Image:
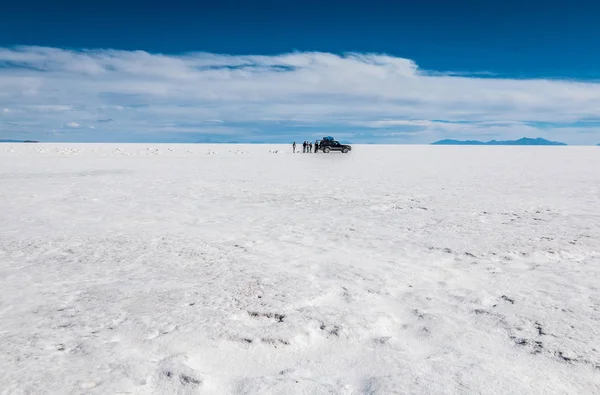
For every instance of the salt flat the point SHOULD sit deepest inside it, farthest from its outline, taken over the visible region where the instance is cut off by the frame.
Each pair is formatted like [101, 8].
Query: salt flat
[235, 269]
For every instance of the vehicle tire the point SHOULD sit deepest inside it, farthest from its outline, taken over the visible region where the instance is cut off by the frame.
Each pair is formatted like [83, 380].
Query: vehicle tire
[326, 150]
[345, 150]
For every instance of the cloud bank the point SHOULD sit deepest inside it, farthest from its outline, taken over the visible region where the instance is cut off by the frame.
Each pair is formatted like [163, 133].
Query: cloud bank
[113, 95]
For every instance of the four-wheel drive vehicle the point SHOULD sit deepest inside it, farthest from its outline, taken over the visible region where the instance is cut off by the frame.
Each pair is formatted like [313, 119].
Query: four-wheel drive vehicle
[332, 145]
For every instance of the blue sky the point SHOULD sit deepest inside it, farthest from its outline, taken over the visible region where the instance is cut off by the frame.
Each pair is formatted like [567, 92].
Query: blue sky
[276, 71]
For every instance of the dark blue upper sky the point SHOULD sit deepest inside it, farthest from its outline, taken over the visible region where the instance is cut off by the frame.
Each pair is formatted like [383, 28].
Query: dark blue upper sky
[512, 38]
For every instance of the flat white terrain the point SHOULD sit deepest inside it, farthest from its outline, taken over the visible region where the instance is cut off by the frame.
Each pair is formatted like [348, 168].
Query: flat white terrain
[234, 269]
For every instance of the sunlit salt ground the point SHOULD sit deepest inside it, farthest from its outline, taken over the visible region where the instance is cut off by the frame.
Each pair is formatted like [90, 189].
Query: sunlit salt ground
[227, 269]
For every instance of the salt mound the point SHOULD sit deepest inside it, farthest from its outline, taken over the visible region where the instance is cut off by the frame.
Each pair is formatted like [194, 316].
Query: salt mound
[68, 151]
[152, 151]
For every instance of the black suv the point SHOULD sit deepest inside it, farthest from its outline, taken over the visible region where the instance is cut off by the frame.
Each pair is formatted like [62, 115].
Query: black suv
[332, 145]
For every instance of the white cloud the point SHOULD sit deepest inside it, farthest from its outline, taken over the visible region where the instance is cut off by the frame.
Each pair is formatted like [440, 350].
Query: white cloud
[186, 93]
[386, 123]
[5, 110]
[73, 125]
[48, 108]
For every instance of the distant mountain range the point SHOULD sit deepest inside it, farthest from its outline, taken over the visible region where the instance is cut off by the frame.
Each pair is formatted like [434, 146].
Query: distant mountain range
[523, 141]
[17, 141]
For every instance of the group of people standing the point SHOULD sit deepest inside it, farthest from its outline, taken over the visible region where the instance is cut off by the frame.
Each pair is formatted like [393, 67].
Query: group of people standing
[307, 146]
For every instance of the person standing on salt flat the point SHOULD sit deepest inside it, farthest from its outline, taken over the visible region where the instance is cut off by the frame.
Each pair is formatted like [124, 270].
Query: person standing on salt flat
[294, 147]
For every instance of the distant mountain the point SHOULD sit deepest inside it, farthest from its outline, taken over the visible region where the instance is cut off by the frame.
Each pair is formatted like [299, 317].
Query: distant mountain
[17, 141]
[523, 141]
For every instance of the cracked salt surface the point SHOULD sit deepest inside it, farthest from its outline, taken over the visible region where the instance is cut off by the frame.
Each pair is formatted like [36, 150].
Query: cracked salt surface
[155, 269]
